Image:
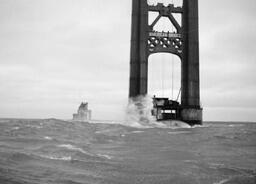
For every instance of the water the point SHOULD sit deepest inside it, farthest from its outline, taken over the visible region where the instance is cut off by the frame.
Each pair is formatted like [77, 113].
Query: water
[60, 152]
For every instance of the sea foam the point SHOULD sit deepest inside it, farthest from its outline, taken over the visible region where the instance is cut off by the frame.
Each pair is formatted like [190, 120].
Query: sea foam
[64, 158]
[74, 148]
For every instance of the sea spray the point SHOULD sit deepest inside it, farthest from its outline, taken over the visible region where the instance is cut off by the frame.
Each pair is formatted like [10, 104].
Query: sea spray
[139, 110]
[138, 114]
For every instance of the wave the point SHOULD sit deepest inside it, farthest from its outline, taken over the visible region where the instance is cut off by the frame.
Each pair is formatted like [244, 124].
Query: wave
[64, 158]
[48, 138]
[15, 128]
[201, 126]
[74, 148]
[170, 124]
[34, 126]
[222, 125]
[25, 157]
[137, 132]
[180, 132]
[4, 121]
[236, 125]
[105, 156]
[131, 124]
[67, 152]
[222, 181]
[175, 124]
[20, 157]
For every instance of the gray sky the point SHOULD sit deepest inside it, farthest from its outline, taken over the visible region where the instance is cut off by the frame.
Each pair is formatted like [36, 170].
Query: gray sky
[56, 53]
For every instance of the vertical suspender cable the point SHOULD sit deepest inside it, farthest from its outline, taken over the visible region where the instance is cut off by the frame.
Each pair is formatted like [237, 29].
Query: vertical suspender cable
[162, 62]
[172, 76]
[172, 64]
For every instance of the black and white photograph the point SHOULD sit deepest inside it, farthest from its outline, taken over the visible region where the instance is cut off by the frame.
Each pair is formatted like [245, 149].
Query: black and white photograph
[127, 92]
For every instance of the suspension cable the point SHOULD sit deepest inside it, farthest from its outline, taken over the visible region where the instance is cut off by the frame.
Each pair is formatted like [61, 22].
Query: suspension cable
[172, 64]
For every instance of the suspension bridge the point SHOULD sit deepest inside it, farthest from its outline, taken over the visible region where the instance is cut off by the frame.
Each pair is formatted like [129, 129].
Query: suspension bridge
[183, 41]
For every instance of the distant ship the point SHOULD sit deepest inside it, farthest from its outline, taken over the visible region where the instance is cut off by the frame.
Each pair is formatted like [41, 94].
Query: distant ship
[83, 113]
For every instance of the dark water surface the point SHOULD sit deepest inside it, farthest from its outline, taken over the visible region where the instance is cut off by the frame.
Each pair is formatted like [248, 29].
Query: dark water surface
[61, 152]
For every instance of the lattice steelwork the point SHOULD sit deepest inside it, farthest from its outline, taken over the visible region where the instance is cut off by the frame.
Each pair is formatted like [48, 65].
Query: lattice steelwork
[170, 42]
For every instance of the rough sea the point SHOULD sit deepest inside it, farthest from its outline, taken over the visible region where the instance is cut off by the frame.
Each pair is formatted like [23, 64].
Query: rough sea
[55, 151]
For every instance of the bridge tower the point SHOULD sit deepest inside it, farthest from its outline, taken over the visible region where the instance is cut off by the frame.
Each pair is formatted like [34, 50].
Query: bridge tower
[184, 43]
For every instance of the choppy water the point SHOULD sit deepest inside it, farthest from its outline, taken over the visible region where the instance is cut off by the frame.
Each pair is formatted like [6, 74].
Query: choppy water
[61, 152]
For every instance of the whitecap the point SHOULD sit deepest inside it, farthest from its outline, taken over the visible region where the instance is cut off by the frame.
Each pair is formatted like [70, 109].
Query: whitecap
[180, 132]
[235, 125]
[137, 132]
[176, 124]
[104, 156]
[222, 181]
[48, 138]
[190, 161]
[216, 165]
[201, 126]
[226, 125]
[34, 126]
[74, 148]
[64, 158]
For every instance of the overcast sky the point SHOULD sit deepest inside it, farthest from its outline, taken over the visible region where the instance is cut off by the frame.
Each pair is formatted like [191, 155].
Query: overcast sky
[56, 53]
